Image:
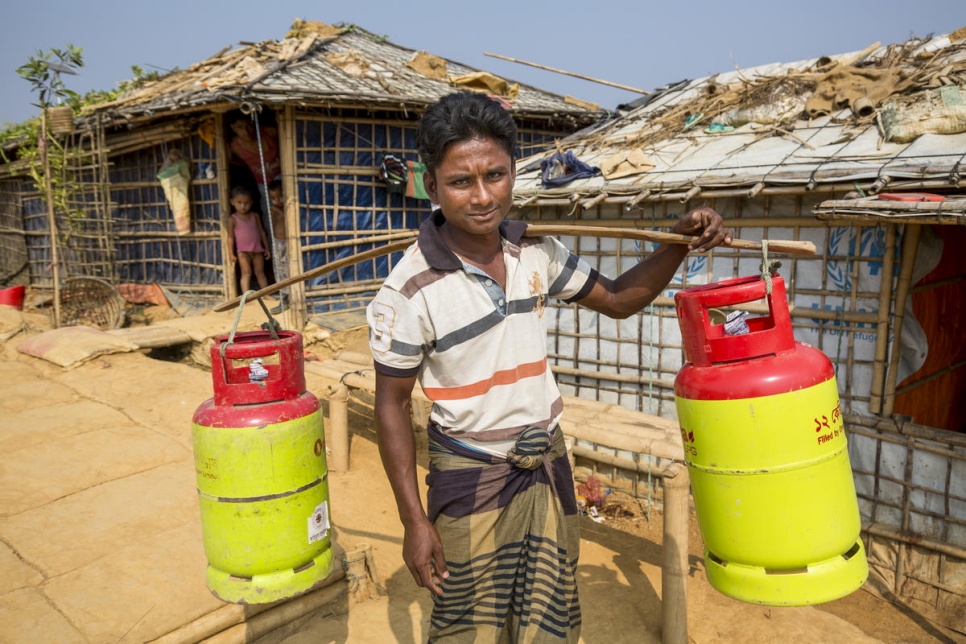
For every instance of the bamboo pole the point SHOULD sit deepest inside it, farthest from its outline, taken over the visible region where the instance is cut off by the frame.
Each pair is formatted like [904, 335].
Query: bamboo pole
[230, 615]
[674, 568]
[610, 377]
[575, 75]
[289, 166]
[579, 451]
[910, 247]
[266, 622]
[777, 246]
[662, 448]
[230, 287]
[882, 325]
[52, 220]
[339, 427]
[321, 270]
[774, 245]
[933, 376]
[667, 222]
[372, 239]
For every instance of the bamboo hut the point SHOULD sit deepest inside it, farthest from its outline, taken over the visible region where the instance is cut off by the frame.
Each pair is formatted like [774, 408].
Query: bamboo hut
[341, 99]
[804, 151]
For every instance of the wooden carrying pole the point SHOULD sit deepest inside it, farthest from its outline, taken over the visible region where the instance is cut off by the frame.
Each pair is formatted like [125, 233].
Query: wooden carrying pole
[774, 245]
[560, 71]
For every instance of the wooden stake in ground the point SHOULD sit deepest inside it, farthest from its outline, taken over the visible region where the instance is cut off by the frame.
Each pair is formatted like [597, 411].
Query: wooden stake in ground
[774, 246]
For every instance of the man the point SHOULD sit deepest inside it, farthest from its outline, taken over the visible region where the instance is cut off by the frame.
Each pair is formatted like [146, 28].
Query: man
[463, 312]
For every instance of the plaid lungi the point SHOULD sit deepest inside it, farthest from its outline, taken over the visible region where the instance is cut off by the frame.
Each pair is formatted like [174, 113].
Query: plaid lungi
[511, 539]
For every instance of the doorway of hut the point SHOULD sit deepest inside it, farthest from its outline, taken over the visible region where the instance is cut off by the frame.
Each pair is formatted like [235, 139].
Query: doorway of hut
[253, 164]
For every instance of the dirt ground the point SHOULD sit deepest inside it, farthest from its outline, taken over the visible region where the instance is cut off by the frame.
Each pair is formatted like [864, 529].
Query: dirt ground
[619, 571]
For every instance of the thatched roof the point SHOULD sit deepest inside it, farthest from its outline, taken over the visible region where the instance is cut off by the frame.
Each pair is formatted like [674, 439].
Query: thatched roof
[749, 131]
[331, 66]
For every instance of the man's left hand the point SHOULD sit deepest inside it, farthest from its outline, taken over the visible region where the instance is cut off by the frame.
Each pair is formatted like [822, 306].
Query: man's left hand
[707, 225]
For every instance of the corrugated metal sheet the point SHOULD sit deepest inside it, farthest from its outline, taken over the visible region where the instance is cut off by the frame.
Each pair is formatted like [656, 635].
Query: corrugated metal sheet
[832, 149]
[261, 72]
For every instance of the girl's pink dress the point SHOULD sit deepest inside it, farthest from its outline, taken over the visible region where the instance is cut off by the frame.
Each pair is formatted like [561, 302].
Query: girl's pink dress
[247, 239]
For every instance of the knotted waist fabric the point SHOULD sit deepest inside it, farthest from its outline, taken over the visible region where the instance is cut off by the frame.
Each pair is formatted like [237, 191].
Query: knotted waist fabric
[510, 536]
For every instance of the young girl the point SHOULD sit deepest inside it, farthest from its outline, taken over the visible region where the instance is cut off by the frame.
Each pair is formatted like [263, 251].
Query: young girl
[246, 239]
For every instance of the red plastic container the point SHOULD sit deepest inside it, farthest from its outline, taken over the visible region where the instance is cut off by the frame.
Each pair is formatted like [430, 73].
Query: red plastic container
[13, 296]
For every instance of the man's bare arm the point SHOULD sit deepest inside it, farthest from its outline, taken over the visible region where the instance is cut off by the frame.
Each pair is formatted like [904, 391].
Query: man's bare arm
[422, 549]
[638, 286]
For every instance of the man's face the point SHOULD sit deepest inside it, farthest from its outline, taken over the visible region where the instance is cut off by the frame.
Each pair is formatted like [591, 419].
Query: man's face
[275, 196]
[242, 204]
[473, 185]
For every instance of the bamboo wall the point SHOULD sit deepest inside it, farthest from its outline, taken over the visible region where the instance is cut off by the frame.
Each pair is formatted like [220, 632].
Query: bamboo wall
[834, 297]
[82, 219]
[13, 243]
[85, 240]
[37, 234]
[149, 248]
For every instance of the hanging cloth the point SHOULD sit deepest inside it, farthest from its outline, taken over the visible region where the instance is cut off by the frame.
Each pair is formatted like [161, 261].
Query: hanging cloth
[174, 177]
[395, 173]
[415, 187]
[561, 169]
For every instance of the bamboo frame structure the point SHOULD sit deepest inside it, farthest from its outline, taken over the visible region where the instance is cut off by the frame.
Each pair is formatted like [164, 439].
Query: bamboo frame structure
[289, 165]
[224, 210]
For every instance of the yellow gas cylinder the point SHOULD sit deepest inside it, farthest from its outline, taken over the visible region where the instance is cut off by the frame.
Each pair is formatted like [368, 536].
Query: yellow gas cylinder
[766, 450]
[261, 472]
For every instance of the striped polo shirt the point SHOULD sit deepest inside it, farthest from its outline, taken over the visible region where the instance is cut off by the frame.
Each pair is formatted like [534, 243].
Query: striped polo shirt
[480, 354]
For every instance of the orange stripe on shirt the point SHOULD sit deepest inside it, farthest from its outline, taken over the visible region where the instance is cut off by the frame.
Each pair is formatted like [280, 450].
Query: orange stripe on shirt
[507, 377]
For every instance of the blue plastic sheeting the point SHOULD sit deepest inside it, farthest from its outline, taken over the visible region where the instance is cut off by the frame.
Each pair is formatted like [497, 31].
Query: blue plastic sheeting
[143, 211]
[337, 207]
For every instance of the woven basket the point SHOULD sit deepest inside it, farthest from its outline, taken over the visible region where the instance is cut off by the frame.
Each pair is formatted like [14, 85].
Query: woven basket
[90, 301]
[60, 119]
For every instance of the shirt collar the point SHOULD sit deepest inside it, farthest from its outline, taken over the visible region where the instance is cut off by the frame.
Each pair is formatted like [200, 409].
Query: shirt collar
[438, 254]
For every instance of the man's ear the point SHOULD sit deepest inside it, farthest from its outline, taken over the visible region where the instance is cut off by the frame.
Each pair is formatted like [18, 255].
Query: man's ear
[429, 183]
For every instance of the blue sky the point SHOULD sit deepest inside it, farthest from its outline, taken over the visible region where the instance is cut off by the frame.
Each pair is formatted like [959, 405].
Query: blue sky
[640, 44]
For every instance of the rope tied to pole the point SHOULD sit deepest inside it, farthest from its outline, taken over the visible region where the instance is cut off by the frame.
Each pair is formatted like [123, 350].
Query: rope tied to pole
[767, 267]
[271, 325]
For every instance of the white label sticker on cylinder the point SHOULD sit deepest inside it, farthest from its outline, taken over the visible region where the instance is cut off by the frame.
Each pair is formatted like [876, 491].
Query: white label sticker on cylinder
[319, 522]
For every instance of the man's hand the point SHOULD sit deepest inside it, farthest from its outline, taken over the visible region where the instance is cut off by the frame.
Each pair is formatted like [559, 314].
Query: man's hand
[423, 554]
[707, 225]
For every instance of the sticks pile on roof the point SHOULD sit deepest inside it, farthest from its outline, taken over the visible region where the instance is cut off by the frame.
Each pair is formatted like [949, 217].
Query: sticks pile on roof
[777, 101]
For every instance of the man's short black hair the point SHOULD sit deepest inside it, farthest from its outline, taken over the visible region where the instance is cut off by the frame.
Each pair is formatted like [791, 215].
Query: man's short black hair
[460, 117]
[242, 191]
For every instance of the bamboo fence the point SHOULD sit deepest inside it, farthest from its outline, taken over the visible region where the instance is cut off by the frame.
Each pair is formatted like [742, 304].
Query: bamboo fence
[13, 244]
